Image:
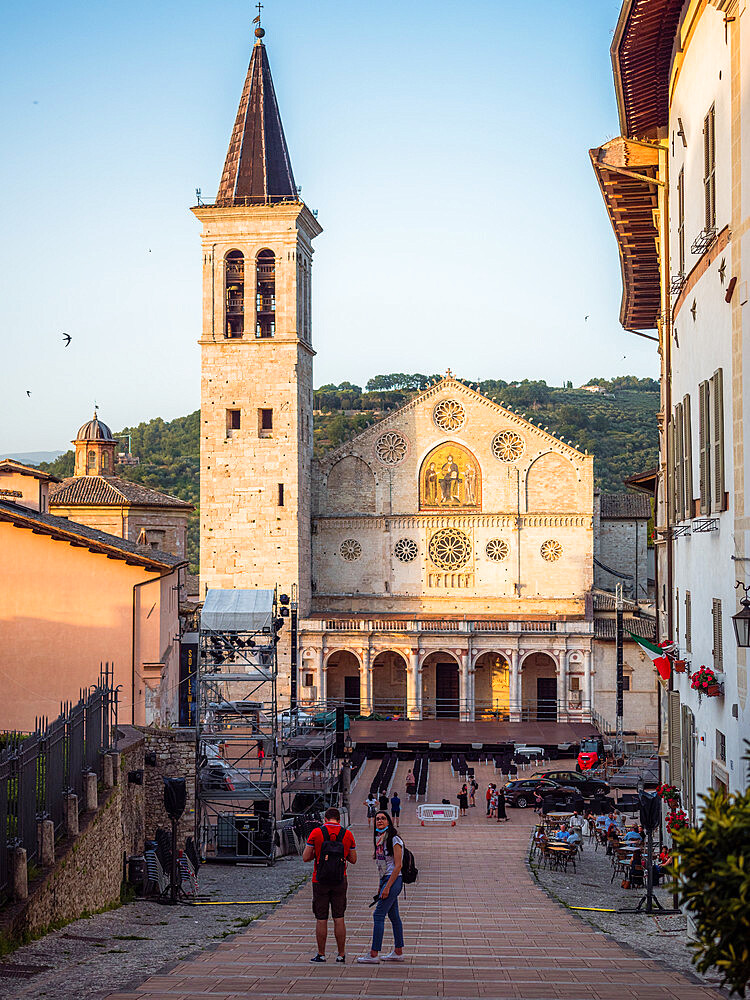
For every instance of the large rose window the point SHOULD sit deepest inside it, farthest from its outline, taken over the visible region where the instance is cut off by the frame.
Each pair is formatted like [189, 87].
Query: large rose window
[450, 549]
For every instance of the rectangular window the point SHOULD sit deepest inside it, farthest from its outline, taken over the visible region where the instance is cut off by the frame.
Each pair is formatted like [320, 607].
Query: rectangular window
[308, 683]
[677, 611]
[721, 746]
[717, 629]
[688, 623]
[704, 446]
[679, 471]
[681, 221]
[626, 682]
[575, 683]
[709, 167]
[233, 421]
[265, 422]
[717, 439]
[687, 444]
[281, 495]
[671, 478]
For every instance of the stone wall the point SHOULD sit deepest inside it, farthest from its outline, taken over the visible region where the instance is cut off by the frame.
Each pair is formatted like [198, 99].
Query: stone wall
[88, 869]
[175, 758]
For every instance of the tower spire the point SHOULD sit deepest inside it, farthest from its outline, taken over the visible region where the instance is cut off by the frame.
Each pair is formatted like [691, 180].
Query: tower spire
[257, 169]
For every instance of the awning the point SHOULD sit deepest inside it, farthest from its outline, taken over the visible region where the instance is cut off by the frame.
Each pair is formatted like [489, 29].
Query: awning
[641, 53]
[627, 172]
[237, 610]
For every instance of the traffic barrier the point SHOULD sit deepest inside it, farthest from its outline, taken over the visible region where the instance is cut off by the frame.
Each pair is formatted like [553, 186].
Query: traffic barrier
[437, 813]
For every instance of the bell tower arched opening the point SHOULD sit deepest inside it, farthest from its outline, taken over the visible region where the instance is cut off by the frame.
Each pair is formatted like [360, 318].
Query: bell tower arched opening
[265, 294]
[234, 288]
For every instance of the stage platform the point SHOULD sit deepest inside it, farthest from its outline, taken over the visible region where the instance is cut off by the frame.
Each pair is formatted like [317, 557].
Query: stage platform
[461, 737]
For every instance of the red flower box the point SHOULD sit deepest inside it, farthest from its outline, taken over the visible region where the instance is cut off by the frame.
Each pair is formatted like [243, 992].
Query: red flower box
[713, 690]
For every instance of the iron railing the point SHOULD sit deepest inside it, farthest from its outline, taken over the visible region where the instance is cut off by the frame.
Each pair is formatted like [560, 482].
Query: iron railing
[528, 710]
[37, 769]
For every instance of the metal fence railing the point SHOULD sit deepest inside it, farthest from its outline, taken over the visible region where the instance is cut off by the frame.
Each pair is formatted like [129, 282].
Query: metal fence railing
[478, 710]
[37, 769]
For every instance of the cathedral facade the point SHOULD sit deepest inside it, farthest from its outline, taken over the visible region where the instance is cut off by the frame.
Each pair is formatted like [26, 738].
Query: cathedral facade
[442, 558]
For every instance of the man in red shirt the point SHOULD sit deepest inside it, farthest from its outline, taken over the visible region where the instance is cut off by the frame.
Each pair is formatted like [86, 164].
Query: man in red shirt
[330, 889]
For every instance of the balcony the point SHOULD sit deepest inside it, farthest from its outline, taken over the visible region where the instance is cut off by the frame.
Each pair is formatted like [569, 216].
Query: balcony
[445, 625]
[265, 303]
[235, 306]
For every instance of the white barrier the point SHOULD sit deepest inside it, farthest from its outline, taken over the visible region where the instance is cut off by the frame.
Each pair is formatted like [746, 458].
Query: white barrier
[437, 813]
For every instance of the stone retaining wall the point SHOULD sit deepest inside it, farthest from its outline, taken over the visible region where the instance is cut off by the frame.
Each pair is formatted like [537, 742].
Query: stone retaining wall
[175, 758]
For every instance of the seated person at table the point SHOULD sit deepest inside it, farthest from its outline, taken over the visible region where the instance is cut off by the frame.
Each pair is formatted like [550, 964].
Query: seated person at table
[633, 837]
[635, 871]
[562, 833]
[660, 868]
[574, 837]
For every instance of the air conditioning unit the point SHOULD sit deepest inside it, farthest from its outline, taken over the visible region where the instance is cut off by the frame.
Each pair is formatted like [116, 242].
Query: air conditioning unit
[309, 693]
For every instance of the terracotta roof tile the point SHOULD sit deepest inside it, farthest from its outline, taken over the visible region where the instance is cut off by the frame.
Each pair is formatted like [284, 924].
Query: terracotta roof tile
[606, 628]
[110, 491]
[625, 506]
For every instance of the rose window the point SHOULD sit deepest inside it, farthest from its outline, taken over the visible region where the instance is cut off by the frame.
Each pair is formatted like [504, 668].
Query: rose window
[551, 550]
[350, 549]
[507, 446]
[406, 549]
[450, 548]
[497, 549]
[391, 448]
[449, 415]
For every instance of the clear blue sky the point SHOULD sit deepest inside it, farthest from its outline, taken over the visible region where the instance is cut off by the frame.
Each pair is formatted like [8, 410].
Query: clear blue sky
[444, 145]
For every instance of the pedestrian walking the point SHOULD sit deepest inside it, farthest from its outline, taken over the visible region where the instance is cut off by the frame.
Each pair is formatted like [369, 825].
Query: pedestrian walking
[493, 803]
[395, 808]
[372, 805]
[383, 801]
[488, 796]
[463, 800]
[411, 785]
[501, 816]
[473, 788]
[330, 846]
[388, 854]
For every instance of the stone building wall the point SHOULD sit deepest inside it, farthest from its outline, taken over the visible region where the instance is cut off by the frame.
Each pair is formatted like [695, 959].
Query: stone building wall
[175, 758]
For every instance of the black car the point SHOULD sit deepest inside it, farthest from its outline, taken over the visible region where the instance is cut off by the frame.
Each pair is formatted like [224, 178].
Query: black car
[586, 786]
[521, 793]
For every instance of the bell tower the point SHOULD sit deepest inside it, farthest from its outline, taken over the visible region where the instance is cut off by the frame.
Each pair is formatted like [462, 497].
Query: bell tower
[256, 357]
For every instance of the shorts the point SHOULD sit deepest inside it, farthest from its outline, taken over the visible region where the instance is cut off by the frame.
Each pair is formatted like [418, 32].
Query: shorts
[396, 812]
[329, 895]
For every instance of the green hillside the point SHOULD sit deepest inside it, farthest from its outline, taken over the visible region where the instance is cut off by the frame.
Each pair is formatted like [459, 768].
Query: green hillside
[618, 428]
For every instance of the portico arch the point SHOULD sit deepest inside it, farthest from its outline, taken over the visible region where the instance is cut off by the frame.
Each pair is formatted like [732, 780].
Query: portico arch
[539, 687]
[440, 686]
[389, 684]
[342, 681]
[492, 686]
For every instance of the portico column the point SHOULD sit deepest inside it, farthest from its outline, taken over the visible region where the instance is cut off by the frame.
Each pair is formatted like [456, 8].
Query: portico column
[588, 686]
[365, 684]
[472, 691]
[322, 679]
[413, 686]
[514, 688]
[562, 685]
[463, 687]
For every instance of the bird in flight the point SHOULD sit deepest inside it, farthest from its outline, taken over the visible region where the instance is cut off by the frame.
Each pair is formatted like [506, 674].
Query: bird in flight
[67, 338]
[586, 318]
[28, 393]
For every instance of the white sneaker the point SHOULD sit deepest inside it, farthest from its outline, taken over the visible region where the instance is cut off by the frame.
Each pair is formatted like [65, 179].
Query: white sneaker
[368, 960]
[392, 957]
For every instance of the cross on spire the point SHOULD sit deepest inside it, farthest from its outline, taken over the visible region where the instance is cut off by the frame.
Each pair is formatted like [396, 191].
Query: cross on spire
[259, 7]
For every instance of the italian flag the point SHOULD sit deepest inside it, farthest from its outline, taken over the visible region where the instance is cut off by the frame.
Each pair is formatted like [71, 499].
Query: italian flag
[656, 654]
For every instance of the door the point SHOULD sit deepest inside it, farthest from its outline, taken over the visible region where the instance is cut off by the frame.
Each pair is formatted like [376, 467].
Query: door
[546, 699]
[446, 691]
[351, 695]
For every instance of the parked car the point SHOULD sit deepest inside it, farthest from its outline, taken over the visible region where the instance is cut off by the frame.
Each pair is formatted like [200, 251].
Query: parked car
[521, 792]
[586, 786]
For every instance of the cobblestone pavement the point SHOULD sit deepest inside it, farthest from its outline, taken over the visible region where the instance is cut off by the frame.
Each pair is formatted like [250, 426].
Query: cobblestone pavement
[476, 924]
[89, 958]
[661, 937]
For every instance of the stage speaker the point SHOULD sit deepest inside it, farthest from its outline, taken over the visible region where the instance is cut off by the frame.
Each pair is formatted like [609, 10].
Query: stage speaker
[650, 810]
[175, 797]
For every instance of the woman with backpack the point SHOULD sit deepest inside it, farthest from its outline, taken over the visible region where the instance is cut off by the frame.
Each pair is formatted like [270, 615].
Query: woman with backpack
[389, 856]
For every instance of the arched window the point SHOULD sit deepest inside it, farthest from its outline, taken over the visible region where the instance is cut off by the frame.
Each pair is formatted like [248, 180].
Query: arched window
[234, 285]
[105, 461]
[265, 294]
[91, 461]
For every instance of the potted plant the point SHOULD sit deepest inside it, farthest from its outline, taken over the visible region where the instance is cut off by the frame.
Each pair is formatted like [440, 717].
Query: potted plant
[705, 681]
[670, 794]
[677, 820]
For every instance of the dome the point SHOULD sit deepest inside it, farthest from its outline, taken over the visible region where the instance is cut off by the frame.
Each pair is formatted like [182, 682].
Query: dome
[94, 430]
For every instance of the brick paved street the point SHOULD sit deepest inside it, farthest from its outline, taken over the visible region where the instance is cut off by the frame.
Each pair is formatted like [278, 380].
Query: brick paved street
[476, 925]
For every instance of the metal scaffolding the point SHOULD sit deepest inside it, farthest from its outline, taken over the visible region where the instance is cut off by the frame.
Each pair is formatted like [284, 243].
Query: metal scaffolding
[237, 725]
[312, 775]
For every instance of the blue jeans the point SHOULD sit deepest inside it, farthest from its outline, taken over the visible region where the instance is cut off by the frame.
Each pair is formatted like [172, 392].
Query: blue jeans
[388, 906]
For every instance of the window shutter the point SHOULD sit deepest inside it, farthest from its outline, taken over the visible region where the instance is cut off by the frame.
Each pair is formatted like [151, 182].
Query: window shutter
[717, 631]
[709, 168]
[677, 614]
[688, 623]
[675, 743]
[688, 762]
[670, 472]
[681, 220]
[679, 472]
[704, 448]
[717, 400]
[687, 439]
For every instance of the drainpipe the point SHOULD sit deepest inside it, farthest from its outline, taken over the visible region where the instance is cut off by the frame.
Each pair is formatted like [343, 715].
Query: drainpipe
[136, 586]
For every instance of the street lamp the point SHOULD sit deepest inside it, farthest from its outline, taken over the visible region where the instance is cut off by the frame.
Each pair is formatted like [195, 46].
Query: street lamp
[741, 620]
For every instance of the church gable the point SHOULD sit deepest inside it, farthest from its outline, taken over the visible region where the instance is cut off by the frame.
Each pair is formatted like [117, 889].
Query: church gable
[452, 449]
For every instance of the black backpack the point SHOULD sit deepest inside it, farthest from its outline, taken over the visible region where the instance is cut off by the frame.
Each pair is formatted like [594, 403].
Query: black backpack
[331, 867]
[409, 870]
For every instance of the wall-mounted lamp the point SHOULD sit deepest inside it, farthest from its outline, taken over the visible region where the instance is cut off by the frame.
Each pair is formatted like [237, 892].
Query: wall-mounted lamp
[741, 620]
